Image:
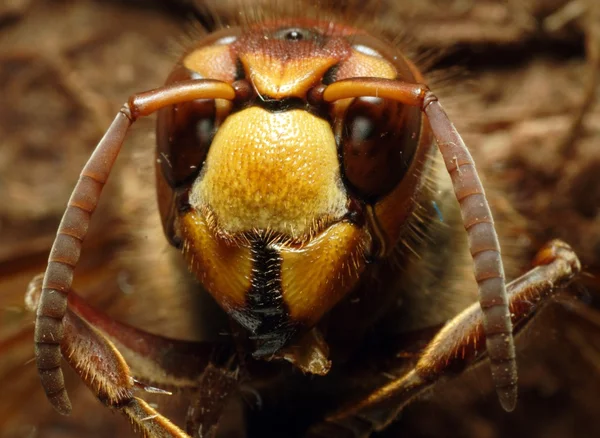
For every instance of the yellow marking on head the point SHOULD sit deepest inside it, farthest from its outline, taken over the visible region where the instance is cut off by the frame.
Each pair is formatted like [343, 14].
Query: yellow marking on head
[360, 65]
[278, 78]
[315, 277]
[275, 172]
[223, 267]
[212, 62]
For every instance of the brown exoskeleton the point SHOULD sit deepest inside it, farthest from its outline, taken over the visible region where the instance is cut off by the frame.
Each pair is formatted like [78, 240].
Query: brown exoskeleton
[297, 172]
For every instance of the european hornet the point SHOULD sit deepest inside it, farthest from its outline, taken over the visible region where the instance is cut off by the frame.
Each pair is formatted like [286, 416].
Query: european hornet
[302, 168]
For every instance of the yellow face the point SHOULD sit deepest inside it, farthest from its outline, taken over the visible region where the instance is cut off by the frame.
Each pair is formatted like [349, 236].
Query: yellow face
[275, 171]
[275, 213]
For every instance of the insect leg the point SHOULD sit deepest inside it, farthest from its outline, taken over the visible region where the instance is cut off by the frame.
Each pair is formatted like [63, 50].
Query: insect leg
[90, 345]
[105, 372]
[168, 363]
[461, 342]
[216, 388]
[66, 250]
[475, 212]
[150, 423]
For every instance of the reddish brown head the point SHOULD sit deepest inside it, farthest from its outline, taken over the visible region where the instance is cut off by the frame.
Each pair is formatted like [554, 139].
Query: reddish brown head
[287, 156]
[278, 198]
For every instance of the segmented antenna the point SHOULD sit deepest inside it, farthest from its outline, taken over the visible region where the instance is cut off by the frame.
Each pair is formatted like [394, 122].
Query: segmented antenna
[66, 250]
[476, 215]
[64, 256]
[485, 250]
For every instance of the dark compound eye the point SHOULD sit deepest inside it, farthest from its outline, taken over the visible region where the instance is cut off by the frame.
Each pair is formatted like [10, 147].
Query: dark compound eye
[362, 130]
[184, 134]
[377, 147]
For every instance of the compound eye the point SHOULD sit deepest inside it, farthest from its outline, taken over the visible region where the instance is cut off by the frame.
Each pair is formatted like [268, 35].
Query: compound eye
[184, 133]
[376, 148]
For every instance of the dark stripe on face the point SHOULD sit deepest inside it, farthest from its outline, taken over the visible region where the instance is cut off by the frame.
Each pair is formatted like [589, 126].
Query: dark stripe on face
[266, 314]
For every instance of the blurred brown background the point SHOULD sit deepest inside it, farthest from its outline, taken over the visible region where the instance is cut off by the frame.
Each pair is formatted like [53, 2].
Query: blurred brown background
[520, 82]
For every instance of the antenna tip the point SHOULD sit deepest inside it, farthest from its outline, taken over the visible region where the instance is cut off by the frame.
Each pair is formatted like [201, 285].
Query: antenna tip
[507, 397]
[61, 402]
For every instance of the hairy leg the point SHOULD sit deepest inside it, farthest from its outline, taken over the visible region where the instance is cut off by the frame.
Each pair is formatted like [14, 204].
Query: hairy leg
[459, 345]
[101, 351]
